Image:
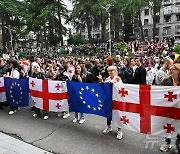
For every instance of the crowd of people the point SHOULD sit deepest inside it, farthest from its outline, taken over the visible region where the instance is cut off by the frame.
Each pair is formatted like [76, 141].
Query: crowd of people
[153, 63]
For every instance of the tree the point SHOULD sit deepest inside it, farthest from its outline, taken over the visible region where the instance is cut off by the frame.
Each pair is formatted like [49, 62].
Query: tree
[136, 6]
[11, 17]
[155, 6]
[84, 13]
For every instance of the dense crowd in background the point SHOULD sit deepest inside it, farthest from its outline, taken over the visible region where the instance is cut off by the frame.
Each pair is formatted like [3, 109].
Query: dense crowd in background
[152, 63]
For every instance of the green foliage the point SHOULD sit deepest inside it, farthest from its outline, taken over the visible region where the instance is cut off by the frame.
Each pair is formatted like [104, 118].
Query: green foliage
[122, 46]
[77, 39]
[177, 49]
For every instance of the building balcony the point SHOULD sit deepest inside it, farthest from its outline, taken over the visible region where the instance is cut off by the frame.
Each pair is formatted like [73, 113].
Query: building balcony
[177, 11]
[165, 12]
[177, 1]
[167, 2]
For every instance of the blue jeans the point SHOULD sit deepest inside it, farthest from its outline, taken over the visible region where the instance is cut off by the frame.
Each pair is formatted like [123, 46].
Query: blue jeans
[81, 115]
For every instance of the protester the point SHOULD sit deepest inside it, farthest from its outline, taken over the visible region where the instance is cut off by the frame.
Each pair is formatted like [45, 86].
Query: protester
[172, 80]
[39, 75]
[140, 72]
[163, 72]
[113, 78]
[79, 77]
[14, 72]
[150, 73]
[126, 73]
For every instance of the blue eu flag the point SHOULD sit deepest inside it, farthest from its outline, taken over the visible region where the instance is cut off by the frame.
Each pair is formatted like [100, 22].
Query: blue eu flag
[93, 98]
[17, 91]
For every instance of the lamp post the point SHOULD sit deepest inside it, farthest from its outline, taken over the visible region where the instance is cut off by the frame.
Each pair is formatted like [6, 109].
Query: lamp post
[11, 36]
[107, 8]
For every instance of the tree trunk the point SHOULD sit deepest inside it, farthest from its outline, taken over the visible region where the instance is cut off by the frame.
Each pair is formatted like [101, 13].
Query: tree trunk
[45, 36]
[117, 25]
[60, 26]
[89, 28]
[103, 27]
[140, 25]
[3, 34]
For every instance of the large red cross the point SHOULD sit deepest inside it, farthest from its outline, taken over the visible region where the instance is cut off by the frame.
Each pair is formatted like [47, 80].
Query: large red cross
[169, 128]
[170, 96]
[146, 110]
[45, 95]
[32, 83]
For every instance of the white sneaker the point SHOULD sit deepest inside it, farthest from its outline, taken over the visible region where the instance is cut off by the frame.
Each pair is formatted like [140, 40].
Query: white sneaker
[35, 115]
[46, 117]
[66, 115]
[81, 121]
[119, 135]
[59, 114]
[75, 120]
[165, 148]
[11, 112]
[107, 130]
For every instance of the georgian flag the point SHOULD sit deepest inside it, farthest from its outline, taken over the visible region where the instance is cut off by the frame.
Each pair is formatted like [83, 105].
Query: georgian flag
[49, 95]
[147, 109]
[2, 90]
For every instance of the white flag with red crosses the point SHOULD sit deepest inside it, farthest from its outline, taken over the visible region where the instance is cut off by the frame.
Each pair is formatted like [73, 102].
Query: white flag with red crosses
[49, 95]
[147, 109]
[2, 90]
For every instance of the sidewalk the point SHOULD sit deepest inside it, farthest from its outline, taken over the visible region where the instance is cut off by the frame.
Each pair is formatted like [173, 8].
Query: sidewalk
[10, 145]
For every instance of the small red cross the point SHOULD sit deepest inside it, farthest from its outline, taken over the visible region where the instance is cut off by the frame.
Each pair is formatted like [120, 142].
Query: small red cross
[124, 120]
[32, 83]
[58, 106]
[58, 86]
[70, 71]
[34, 101]
[170, 96]
[169, 128]
[123, 92]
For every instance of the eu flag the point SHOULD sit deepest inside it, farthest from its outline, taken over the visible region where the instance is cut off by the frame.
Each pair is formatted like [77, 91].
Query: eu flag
[93, 98]
[17, 91]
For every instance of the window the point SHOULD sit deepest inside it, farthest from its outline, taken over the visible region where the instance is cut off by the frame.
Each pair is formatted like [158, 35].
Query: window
[167, 18]
[97, 36]
[156, 31]
[178, 29]
[167, 10]
[178, 17]
[146, 21]
[146, 12]
[157, 19]
[146, 32]
[167, 30]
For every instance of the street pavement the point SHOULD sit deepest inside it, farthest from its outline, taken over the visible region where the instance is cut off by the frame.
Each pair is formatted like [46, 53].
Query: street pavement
[61, 136]
[10, 145]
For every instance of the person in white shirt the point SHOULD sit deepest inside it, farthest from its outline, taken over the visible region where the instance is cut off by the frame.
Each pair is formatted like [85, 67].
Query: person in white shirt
[15, 68]
[150, 73]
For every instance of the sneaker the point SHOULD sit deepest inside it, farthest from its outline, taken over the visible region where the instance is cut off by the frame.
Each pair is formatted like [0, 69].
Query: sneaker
[59, 114]
[46, 117]
[119, 135]
[165, 148]
[75, 120]
[66, 115]
[11, 112]
[107, 130]
[81, 121]
[35, 115]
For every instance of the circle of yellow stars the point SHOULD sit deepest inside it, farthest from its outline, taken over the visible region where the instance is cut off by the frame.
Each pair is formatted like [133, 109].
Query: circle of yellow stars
[96, 94]
[11, 96]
